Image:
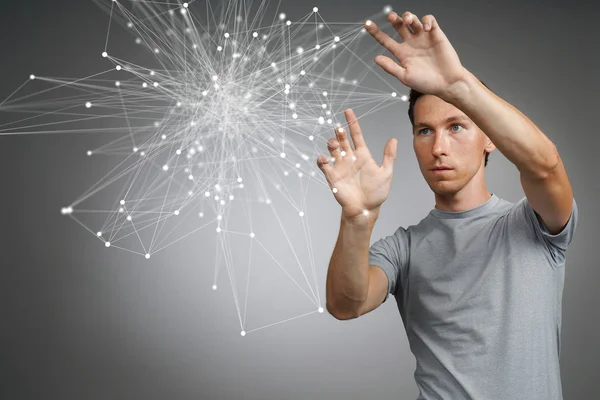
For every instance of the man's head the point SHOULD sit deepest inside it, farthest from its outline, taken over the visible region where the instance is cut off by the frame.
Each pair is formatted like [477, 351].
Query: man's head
[444, 136]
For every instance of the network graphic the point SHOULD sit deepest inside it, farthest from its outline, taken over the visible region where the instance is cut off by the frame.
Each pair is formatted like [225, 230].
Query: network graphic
[215, 112]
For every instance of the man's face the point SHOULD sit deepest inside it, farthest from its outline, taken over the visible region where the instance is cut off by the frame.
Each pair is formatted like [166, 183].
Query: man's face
[444, 136]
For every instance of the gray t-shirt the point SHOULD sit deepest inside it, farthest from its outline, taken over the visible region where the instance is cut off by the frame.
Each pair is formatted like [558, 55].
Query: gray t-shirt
[480, 295]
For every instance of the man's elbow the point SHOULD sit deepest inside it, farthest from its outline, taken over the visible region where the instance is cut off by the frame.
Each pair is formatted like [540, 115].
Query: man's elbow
[341, 315]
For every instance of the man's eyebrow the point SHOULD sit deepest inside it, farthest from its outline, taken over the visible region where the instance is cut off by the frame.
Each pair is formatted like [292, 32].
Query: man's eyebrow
[455, 118]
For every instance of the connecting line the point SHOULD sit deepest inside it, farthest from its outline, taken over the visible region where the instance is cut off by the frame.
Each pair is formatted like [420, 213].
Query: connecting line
[216, 108]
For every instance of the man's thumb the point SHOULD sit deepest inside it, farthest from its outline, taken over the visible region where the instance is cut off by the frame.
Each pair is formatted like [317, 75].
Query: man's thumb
[389, 154]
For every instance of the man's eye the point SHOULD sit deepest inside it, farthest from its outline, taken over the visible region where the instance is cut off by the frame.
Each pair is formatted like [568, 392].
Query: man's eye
[457, 125]
[421, 131]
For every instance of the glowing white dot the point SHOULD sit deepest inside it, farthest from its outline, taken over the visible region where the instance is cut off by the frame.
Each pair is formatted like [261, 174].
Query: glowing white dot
[282, 16]
[32, 77]
[147, 256]
[243, 333]
[325, 94]
[294, 116]
[252, 235]
[122, 202]
[104, 54]
[207, 194]
[145, 85]
[394, 94]
[336, 39]
[129, 218]
[214, 287]
[334, 190]
[165, 167]
[201, 214]
[88, 105]
[301, 213]
[117, 83]
[315, 9]
[340, 130]
[176, 212]
[255, 34]
[226, 35]
[311, 137]
[155, 84]
[317, 47]
[204, 93]
[107, 244]
[219, 48]
[321, 310]
[185, 5]
[282, 155]
[366, 212]
[303, 72]
[343, 153]
[99, 234]
[404, 98]
[288, 23]
[239, 179]
[387, 9]
[369, 23]
[89, 152]
[118, 67]
[178, 152]
[218, 230]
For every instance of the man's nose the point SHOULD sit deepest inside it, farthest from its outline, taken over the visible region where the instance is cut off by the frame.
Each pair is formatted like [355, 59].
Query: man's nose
[440, 145]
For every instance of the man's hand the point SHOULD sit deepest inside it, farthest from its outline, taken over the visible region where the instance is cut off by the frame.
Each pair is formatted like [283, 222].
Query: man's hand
[359, 184]
[428, 62]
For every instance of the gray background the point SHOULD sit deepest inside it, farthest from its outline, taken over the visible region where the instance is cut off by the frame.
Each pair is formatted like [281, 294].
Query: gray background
[81, 322]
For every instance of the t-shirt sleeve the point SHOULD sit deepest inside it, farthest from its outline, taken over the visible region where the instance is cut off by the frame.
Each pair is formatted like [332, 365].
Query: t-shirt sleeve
[555, 245]
[391, 255]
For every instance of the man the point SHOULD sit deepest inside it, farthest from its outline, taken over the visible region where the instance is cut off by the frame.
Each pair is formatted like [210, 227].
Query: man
[478, 281]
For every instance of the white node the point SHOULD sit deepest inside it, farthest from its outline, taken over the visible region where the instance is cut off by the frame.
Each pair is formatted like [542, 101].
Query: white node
[144, 85]
[243, 333]
[214, 287]
[321, 310]
[366, 212]
[303, 72]
[325, 94]
[288, 23]
[335, 190]
[99, 234]
[394, 94]
[368, 23]
[104, 54]
[135, 149]
[226, 35]
[387, 9]
[255, 34]
[282, 155]
[207, 194]
[178, 152]
[88, 105]
[317, 47]
[176, 212]
[155, 84]
[340, 130]
[201, 214]
[121, 210]
[336, 39]
[239, 179]
[252, 235]
[204, 93]
[122, 202]
[218, 230]
[315, 9]
[301, 213]
[32, 77]
[147, 256]
[404, 98]
[295, 116]
[185, 5]
[282, 16]
[311, 138]
[129, 218]
[107, 244]
[117, 83]
[118, 67]
[165, 167]
[343, 153]
[219, 217]
[89, 152]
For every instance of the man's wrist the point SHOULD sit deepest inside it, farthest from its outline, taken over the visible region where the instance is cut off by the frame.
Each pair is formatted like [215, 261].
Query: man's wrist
[365, 219]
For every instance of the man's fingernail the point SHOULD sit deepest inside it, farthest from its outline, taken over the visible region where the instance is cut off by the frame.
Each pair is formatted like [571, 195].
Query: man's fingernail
[426, 26]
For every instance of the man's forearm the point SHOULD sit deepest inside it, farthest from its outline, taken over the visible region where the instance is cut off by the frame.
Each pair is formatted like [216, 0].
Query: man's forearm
[348, 273]
[513, 134]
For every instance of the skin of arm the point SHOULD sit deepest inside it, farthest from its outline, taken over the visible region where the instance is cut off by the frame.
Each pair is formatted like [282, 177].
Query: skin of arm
[348, 273]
